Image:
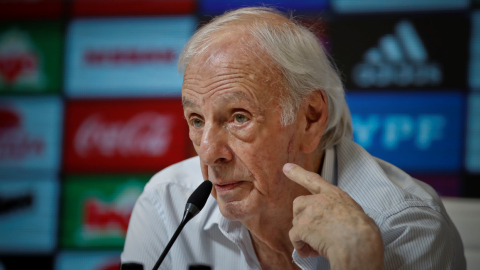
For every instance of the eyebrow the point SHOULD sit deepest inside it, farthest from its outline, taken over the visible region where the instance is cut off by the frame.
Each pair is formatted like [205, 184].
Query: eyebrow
[233, 96]
[187, 103]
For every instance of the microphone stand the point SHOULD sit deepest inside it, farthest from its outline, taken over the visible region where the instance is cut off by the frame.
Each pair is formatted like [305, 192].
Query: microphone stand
[190, 211]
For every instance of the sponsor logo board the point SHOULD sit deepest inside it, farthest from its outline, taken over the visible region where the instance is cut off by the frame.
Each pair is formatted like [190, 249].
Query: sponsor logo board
[474, 72]
[349, 6]
[419, 132]
[30, 133]
[97, 209]
[28, 214]
[132, 7]
[213, 7]
[473, 134]
[88, 260]
[30, 57]
[401, 52]
[126, 57]
[124, 135]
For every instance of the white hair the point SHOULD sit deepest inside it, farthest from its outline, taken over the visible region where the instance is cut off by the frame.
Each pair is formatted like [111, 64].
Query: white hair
[298, 54]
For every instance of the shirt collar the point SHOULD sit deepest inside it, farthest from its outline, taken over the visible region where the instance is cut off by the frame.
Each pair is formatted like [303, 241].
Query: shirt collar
[329, 169]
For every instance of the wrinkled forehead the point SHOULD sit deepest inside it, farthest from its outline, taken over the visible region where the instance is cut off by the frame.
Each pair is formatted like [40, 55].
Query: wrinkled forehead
[237, 53]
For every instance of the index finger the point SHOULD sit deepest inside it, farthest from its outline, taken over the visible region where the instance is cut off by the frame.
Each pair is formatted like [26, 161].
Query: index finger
[309, 180]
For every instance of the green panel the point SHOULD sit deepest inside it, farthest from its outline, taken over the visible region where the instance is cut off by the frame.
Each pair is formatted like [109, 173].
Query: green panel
[31, 57]
[96, 209]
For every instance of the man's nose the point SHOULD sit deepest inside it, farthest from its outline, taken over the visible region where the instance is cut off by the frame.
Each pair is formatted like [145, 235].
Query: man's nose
[214, 148]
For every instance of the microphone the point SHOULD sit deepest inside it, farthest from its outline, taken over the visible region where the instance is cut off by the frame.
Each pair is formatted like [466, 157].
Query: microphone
[194, 205]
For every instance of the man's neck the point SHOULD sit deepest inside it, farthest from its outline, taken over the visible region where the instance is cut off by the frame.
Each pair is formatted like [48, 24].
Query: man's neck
[271, 242]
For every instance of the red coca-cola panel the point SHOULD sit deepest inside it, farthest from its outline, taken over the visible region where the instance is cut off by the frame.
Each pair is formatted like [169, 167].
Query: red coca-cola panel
[132, 7]
[124, 135]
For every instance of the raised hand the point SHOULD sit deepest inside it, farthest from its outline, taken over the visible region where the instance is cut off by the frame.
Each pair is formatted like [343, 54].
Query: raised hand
[330, 223]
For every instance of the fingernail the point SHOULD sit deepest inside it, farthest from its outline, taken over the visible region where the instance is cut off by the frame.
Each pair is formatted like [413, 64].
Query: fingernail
[287, 167]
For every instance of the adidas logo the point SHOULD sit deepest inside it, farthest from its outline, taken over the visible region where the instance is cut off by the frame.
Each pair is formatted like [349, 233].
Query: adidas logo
[399, 60]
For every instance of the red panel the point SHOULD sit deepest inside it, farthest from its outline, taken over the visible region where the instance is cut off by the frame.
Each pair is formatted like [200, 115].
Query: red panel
[132, 7]
[37, 9]
[124, 135]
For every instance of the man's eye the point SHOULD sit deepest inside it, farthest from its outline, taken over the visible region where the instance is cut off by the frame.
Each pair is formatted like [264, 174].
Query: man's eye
[240, 118]
[197, 123]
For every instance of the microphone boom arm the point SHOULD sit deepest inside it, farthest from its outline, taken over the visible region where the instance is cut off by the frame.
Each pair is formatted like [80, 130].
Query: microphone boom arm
[194, 205]
[187, 216]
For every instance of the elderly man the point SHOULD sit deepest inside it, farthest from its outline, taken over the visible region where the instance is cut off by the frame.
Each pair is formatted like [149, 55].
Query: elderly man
[268, 119]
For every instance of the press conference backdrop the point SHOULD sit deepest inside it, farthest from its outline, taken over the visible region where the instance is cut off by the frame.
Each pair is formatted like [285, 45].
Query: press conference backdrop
[90, 106]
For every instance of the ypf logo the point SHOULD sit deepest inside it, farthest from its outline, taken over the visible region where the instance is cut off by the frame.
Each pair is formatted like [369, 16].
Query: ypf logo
[19, 61]
[397, 128]
[399, 60]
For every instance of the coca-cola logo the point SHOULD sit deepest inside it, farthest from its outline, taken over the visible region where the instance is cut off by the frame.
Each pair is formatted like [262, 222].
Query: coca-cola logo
[145, 134]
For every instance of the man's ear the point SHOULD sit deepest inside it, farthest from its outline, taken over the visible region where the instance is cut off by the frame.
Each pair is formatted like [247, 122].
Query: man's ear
[315, 114]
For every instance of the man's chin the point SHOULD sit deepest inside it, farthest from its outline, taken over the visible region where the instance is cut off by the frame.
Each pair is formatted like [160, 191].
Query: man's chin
[234, 210]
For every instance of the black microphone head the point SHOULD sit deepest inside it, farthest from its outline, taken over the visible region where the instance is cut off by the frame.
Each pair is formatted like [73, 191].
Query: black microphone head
[131, 266]
[200, 195]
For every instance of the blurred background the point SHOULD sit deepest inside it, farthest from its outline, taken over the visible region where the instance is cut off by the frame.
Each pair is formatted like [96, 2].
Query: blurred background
[90, 106]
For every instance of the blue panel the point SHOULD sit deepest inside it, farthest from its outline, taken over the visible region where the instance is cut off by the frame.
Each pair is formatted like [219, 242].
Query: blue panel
[29, 214]
[472, 159]
[474, 76]
[417, 132]
[125, 57]
[214, 7]
[30, 134]
[87, 260]
[397, 5]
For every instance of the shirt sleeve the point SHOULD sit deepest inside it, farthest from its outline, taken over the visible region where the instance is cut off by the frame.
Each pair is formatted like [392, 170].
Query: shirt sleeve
[146, 234]
[420, 238]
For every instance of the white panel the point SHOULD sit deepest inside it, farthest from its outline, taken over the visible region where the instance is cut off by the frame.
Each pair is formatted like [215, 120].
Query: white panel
[473, 259]
[465, 214]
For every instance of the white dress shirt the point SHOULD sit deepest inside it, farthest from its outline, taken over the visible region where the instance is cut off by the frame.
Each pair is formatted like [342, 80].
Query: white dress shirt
[416, 230]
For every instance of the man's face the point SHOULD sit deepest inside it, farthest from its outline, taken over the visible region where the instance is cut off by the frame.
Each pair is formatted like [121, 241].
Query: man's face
[231, 102]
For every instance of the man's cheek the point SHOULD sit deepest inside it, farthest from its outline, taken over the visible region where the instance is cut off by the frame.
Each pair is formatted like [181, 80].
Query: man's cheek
[206, 177]
[195, 137]
[204, 171]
